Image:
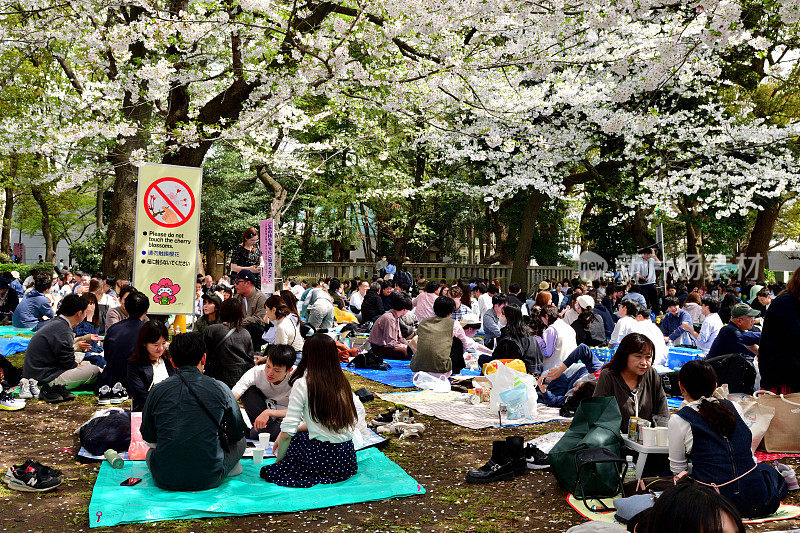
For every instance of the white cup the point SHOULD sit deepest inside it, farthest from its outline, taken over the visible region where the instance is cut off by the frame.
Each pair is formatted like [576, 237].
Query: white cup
[649, 436]
[258, 456]
[662, 436]
[263, 440]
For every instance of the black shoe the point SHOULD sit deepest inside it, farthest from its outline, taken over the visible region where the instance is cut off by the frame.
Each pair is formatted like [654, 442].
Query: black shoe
[536, 458]
[383, 418]
[65, 394]
[499, 467]
[515, 448]
[566, 413]
[50, 394]
[118, 393]
[30, 479]
[46, 470]
[104, 395]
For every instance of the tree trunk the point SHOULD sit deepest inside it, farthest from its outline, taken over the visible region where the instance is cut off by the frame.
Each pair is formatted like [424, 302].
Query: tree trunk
[41, 201]
[8, 212]
[98, 206]
[212, 258]
[367, 238]
[756, 256]
[522, 257]
[276, 207]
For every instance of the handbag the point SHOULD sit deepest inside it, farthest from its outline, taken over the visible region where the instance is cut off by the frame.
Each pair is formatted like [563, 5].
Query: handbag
[226, 427]
[782, 435]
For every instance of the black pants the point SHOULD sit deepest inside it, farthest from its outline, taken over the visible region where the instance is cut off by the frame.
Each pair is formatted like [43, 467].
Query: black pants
[256, 332]
[457, 356]
[254, 403]
[650, 294]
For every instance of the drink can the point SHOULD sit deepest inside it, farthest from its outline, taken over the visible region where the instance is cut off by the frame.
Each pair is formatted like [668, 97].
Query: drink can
[633, 429]
[503, 409]
[114, 459]
[474, 399]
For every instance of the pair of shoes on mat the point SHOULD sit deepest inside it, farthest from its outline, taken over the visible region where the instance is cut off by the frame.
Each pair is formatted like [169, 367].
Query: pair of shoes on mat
[507, 461]
[28, 389]
[788, 475]
[9, 403]
[55, 393]
[32, 476]
[112, 395]
[393, 415]
[404, 429]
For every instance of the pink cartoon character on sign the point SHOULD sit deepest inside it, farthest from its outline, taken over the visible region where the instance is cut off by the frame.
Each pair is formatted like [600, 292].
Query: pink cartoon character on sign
[164, 291]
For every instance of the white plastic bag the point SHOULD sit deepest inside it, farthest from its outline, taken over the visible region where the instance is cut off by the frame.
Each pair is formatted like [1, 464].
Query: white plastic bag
[507, 378]
[423, 380]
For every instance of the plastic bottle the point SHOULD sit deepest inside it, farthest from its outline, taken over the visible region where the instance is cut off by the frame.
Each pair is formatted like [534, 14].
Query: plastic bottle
[630, 474]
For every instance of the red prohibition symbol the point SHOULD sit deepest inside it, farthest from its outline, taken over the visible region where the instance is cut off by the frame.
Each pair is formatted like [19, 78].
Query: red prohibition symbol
[169, 202]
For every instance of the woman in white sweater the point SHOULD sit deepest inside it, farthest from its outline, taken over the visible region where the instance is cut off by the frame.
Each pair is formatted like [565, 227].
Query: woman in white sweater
[320, 422]
[286, 331]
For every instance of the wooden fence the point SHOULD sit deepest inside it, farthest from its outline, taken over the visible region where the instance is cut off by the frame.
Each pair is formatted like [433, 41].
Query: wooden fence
[430, 271]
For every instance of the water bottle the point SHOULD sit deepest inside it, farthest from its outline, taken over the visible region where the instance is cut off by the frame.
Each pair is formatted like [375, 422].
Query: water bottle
[630, 474]
[114, 459]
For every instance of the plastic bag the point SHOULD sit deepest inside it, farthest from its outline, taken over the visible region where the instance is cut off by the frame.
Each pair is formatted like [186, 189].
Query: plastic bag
[423, 380]
[517, 401]
[138, 448]
[507, 378]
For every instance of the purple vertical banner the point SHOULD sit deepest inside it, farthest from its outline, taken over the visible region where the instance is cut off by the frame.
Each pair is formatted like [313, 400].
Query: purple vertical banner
[268, 256]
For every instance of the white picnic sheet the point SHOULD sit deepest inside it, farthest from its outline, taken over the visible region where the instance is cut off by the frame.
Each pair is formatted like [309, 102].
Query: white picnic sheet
[451, 406]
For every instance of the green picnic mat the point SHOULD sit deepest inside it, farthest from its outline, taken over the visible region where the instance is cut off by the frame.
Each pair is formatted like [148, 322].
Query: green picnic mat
[378, 478]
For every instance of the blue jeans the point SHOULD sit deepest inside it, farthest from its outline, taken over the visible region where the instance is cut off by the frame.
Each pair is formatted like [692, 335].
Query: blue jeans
[557, 389]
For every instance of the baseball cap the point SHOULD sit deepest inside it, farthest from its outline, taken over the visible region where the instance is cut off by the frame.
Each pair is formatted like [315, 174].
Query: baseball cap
[740, 310]
[585, 301]
[210, 296]
[246, 275]
[15, 274]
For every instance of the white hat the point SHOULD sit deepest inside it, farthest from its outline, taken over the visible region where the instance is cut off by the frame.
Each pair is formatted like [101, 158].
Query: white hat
[585, 301]
[470, 318]
[15, 274]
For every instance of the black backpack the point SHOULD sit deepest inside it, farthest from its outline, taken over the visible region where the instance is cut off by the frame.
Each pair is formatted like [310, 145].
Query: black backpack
[111, 430]
[735, 370]
[369, 360]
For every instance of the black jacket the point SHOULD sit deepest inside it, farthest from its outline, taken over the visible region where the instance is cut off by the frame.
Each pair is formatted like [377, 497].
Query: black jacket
[778, 353]
[140, 379]
[526, 348]
[608, 319]
[593, 335]
[119, 344]
[372, 307]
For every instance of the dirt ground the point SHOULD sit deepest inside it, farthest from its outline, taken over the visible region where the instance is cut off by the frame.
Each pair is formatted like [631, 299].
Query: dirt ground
[438, 461]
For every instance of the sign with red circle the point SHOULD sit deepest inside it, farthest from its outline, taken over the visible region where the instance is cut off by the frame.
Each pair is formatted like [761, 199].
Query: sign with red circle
[169, 202]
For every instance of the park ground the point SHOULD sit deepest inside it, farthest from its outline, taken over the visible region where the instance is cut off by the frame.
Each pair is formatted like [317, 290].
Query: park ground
[437, 460]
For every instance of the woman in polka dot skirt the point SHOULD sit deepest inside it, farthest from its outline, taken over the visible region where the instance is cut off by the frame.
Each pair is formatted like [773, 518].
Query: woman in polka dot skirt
[319, 422]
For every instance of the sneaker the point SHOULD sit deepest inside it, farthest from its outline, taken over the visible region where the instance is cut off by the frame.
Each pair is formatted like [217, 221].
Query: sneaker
[24, 389]
[405, 416]
[30, 479]
[788, 475]
[383, 419]
[34, 387]
[7, 403]
[118, 393]
[397, 428]
[65, 394]
[536, 458]
[50, 394]
[46, 470]
[104, 395]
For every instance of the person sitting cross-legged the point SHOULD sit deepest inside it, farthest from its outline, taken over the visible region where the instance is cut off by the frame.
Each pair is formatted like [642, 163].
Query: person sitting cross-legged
[186, 453]
[34, 309]
[50, 357]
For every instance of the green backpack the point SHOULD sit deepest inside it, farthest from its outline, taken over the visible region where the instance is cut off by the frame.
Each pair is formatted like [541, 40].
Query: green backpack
[596, 425]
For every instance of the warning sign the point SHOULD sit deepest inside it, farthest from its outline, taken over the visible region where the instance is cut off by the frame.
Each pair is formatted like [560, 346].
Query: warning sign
[167, 226]
[169, 202]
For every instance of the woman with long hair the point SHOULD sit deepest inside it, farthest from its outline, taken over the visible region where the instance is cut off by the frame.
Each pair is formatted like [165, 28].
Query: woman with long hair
[290, 300]
[517, 341]
[319, 423]
[632, 380]
[247, 256]
[229, 346]
[693, 306]
[713, 435]
[150, 363]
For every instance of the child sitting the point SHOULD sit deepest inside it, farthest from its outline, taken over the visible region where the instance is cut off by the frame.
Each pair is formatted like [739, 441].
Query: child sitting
[264, 390]
[323, 402]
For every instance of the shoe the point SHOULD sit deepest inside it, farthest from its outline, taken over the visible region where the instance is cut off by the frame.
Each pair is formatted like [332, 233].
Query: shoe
[104, 395]
[536, 458]
[7, 403]
[50, 394]
[383, 418]
[30, 479]
[788, 475]
[34, 387]
[24, 389]
[118, 393]
[46, 470]
[515, 447]
[499, 467]
[404, 416]
[397, 428]
[65, 394]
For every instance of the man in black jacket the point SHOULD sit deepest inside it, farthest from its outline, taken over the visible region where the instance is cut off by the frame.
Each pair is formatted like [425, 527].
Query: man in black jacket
[372, 308]
[50, 358]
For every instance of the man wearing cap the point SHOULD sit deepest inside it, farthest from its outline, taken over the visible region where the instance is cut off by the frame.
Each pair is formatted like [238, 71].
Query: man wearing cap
[736, 337]
[255, 306]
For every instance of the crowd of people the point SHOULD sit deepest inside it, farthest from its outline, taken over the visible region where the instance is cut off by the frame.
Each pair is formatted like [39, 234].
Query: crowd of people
[272, 353]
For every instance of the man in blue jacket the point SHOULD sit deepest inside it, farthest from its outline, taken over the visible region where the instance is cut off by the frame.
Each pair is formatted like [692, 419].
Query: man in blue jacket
[34, 308]
[671, 324]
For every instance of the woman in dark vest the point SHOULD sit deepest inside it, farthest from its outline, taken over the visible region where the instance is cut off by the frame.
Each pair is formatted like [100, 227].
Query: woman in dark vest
[713, 435]
[516, 341]
[440, 344]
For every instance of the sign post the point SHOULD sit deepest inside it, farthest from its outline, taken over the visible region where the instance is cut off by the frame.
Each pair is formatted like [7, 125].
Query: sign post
[268, 256]
[167, 235]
